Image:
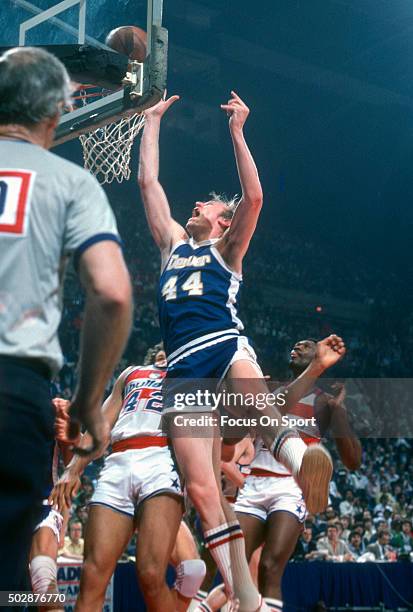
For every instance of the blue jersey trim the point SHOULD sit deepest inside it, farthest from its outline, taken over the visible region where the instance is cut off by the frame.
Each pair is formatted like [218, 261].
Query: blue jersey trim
[201, 340]
[90, 242]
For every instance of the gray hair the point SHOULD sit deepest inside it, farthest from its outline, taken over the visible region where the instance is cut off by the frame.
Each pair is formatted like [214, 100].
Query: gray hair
[34, 85]
[152, 352]
[230, 203]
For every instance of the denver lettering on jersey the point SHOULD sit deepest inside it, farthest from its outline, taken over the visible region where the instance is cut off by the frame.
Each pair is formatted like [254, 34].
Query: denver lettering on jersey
[177, 263]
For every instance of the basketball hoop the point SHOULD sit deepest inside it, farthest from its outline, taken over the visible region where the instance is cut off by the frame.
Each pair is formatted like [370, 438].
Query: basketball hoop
[107, 150]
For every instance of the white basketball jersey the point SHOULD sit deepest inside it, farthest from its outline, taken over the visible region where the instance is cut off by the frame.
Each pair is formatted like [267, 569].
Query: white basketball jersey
[141, 410]
[310, 434]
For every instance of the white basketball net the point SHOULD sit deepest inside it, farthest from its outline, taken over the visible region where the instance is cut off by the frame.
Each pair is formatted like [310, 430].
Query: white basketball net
[106, 151]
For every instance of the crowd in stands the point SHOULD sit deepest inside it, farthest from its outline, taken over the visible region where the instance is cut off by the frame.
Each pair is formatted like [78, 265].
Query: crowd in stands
[372, 509]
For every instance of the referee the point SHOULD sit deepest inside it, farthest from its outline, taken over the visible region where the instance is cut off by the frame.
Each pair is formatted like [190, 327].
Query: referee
[50, 210]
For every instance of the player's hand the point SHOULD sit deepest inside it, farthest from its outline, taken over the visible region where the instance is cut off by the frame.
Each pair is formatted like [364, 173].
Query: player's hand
[92, 419]
[236, 110]
[329, 351]
[61, 406]
[158, 110]
[62, 422]
[339, 396]
[64, 490]
[244, 451]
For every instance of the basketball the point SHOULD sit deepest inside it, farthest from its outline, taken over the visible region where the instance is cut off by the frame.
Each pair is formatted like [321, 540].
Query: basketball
[129, 40]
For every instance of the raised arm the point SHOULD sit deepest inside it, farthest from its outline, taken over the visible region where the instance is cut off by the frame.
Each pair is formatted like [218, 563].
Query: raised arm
[348, 444]
[165, 230]
[236, 240]
[328, 352]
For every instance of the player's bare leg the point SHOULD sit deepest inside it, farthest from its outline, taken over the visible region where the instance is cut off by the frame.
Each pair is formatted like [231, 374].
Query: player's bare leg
[283, 531]
[254, 563]
[254, 532]
[158, 524]
[311, 466]
[245, 590]
[107, 535]
[185, 547]
[195, 458]
[43, 569]
[184, 554]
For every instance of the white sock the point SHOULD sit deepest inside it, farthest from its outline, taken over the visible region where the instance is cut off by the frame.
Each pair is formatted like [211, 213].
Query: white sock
[289, 449]
[217, 542]
[201, 595]
[274, 604]
[245, 589]
[43, 573]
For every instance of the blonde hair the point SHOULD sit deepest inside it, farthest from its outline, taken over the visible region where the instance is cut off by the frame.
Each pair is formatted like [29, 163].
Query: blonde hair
[230, 203]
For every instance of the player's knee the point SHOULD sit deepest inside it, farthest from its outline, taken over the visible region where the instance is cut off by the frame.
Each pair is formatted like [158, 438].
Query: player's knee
[151, 580]
[92, 576]
[204, 497]
[272, 566]
[43, 574]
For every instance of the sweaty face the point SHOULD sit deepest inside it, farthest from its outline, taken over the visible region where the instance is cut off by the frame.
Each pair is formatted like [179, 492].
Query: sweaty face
[303, 353]
[205, 217]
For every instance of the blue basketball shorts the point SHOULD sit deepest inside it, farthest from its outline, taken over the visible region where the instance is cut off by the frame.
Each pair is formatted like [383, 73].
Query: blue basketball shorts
[199, 368]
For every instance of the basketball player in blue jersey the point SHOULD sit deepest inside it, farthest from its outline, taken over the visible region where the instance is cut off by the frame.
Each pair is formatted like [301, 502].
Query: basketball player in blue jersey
[200, 280]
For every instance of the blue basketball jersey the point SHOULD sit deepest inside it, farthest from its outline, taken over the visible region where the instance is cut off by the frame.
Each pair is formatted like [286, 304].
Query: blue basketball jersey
[197, 295]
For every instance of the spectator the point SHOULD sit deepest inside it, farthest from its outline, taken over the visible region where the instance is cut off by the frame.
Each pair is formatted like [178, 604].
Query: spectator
[383, 503]
[332, 548]
[369, 530]
[403, 542]
[306, 548]
[356, 545]
[381, 549]
[346, 506]
[82, 514]
[345, 522]
[73, 543]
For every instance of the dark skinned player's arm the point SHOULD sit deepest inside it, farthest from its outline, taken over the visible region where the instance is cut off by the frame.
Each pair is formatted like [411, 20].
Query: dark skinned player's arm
[328, 352]
[333, 418]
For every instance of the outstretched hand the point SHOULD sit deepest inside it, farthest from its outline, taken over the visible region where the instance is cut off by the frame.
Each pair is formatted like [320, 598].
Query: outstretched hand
[236, 110]
[159, 109]
[329, 351]
[64, 490]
